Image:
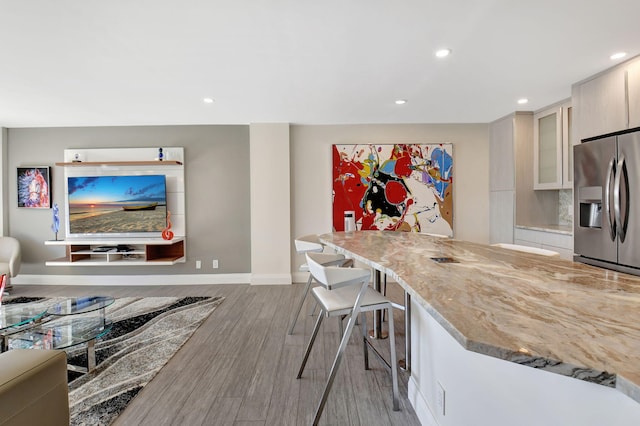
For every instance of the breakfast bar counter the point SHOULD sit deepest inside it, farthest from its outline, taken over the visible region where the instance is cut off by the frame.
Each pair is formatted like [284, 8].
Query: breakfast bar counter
[547, 313]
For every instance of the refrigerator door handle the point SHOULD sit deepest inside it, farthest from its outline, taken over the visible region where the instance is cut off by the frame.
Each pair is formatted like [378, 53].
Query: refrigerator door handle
[607, 197]
[616, 200]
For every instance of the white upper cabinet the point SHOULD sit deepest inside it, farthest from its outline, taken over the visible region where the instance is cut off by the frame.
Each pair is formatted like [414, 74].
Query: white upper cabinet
[552, 153]
[633, 87]
[601, 104]
[608, 102]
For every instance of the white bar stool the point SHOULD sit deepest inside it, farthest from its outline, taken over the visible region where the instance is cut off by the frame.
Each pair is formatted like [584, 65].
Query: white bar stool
[346, 291]
[311, 244]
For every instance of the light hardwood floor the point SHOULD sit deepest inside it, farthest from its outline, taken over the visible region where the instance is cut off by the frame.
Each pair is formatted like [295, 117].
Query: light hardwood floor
[239, 368]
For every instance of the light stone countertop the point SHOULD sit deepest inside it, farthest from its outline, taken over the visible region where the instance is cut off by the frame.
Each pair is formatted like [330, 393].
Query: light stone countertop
[547, 313]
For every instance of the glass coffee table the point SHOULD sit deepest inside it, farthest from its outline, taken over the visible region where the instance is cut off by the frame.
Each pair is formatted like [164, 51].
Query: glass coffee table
[80, 305]
[69, 323]
[17, 317]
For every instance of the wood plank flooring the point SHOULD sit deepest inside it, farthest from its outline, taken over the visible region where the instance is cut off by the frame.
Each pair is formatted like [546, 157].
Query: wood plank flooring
[239, 368]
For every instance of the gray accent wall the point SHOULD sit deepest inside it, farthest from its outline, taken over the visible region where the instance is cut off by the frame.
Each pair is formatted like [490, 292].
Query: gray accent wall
[216, 183]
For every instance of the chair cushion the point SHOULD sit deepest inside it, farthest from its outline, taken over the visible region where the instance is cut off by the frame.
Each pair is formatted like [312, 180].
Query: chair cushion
[342, 299]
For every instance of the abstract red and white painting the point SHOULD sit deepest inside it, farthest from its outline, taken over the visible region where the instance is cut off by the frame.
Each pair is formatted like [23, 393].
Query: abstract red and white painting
[399, 187]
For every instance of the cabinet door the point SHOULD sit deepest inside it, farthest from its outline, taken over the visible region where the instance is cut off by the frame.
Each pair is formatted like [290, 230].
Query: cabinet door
[602, 105]
[633, 84]
[501, 216]
[547, 149]
[501, 155]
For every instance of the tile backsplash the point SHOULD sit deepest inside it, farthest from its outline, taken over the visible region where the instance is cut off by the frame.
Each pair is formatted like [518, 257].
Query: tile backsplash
[565, 210]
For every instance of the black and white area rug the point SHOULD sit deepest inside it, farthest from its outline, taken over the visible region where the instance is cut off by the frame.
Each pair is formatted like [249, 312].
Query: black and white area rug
[146, 333]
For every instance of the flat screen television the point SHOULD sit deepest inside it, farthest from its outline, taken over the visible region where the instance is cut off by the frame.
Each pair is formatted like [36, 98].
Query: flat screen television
[116, 206]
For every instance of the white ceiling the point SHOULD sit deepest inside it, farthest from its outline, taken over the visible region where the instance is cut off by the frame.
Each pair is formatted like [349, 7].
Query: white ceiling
[142, 62]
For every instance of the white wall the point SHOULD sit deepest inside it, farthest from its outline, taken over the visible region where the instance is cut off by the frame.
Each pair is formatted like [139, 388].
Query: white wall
[311, 172]
[270, 204]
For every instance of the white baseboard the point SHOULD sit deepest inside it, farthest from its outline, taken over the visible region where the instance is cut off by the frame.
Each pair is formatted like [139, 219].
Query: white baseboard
[270, 279]
[300, 277]
[184, 279]
[420, 405]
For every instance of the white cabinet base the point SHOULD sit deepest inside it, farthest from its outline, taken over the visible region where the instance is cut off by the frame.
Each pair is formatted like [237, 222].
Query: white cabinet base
[483, 390]
[560, 242]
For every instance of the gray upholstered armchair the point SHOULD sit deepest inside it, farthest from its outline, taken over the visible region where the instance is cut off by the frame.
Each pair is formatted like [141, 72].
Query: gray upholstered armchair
[10, 258]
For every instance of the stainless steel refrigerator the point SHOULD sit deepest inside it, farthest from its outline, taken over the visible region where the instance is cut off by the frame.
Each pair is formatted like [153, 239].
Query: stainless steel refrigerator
[607, 201]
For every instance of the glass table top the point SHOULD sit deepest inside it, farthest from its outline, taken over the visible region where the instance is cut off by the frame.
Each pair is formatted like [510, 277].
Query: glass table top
[15, 315]
[80, 305]
[61, 333]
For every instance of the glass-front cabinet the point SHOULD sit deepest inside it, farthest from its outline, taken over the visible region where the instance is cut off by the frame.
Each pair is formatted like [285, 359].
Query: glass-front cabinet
[552, 153]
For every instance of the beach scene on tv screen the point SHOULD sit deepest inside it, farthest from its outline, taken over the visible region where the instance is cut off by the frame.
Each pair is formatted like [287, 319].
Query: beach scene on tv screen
[116, 204]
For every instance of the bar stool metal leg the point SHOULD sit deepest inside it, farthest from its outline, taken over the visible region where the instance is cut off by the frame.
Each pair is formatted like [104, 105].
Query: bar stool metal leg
[303, 297]
[334, 367]
[377, 332]
[365, 336]
[394, 362]
[307, 351]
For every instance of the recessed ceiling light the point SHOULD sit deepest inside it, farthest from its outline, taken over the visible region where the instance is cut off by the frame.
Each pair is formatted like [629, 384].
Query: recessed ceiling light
[208, 100]
[442, 53]
[523, 101]
[401, 101]
[618, 55]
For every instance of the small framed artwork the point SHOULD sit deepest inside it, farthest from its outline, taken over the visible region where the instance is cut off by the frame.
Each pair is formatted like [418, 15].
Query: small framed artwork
[34, 185]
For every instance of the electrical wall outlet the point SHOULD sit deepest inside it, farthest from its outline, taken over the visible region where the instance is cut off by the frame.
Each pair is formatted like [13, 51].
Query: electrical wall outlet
[440, 398]
[198, 264]
[215, 264]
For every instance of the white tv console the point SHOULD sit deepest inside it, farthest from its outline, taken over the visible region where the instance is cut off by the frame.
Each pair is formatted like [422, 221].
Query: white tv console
[144, 251]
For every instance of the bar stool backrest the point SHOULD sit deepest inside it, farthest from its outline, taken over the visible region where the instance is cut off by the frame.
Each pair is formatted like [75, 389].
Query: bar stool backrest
[334, 277]
[308, 243]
